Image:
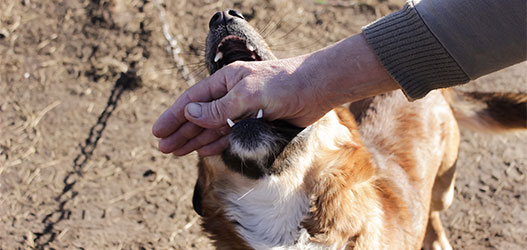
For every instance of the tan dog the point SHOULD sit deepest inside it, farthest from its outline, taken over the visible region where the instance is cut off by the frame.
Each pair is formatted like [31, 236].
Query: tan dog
[372, 178]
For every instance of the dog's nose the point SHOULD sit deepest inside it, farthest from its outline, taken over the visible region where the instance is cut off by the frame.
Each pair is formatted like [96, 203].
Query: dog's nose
[224, 17]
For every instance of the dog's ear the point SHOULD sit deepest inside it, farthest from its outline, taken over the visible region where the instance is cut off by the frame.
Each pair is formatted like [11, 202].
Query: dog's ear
[197, 198]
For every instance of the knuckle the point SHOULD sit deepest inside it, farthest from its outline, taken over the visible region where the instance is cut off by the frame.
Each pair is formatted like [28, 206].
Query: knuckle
[241, 67]
[217, 110]
[237, 64]
[248, 94]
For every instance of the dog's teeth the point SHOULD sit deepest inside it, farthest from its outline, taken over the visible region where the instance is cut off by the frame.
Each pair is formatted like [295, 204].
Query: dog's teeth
[250, 47]
[260, 114]
[230, 122]
[218, 57]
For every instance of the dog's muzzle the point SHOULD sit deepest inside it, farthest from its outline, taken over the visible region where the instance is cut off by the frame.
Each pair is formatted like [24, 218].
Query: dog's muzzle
[255, 144]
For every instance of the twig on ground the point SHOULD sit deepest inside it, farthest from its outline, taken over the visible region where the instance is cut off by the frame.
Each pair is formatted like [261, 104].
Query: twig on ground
[173, 46]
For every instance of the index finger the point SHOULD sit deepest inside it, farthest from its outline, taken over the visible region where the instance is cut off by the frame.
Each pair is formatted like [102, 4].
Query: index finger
[208, 89]
[171, 119]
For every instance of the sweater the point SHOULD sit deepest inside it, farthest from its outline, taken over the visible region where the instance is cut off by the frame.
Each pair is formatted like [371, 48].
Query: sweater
[431, 44]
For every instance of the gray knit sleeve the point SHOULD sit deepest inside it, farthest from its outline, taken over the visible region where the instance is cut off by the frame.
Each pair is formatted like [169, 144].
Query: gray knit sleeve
[411, 53]
[432, 44]
[483, 36]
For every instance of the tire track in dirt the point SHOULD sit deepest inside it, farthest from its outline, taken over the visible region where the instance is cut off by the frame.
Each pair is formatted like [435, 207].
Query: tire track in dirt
[128, 81]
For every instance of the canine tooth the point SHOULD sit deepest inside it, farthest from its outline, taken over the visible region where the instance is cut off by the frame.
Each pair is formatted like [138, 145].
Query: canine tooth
[230, 122]
[260, 114]
[250, 47]
[218, 57]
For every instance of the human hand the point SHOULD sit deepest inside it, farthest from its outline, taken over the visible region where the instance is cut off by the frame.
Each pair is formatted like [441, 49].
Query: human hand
[197, 120]
[299, 90]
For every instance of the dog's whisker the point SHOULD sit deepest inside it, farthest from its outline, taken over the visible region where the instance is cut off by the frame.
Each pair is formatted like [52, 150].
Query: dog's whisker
[243, 196]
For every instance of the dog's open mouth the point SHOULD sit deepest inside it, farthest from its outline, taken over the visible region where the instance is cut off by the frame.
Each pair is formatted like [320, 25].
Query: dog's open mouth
[254, 142]
[234, 48]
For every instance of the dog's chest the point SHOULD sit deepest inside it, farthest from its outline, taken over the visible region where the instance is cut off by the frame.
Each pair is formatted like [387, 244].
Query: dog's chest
[268, 214]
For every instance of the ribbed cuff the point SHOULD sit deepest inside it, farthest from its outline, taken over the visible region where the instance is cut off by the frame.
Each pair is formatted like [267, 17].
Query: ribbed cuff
[411, 53]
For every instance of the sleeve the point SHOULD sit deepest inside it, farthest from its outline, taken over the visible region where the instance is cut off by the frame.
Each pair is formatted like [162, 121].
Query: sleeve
[432, 44]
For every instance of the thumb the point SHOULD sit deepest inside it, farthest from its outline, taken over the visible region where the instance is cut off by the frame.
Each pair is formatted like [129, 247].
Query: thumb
[214, 114]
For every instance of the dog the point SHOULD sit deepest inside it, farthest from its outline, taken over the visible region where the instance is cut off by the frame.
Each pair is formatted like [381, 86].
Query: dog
[370, 175]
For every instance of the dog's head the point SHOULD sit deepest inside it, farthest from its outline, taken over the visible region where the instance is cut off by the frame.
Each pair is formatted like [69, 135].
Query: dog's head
[258, 192]
[254, 142]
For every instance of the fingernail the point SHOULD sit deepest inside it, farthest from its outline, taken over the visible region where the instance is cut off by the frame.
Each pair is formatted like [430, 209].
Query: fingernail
[194, 110]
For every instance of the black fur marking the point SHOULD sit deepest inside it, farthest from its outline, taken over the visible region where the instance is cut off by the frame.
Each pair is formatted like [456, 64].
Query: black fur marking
[250, 133]
[196, 199]
[248, 168]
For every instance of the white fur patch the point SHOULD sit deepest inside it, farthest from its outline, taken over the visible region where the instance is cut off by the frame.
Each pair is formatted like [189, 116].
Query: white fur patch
[269, 213]
[260, 154]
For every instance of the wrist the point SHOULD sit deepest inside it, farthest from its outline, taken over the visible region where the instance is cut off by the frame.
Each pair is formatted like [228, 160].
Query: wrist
[367, 76]
[345, 72]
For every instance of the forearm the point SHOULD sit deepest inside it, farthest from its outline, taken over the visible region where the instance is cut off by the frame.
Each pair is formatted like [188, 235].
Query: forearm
[345, 72]
[481, 35]
[437, 44]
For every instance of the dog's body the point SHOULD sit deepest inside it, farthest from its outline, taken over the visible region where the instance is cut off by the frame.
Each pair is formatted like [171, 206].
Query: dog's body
[336, 184]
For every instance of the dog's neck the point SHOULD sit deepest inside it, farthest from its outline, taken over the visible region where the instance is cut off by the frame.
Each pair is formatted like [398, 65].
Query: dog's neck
[345, 209]
[280, 211]
[269, 213]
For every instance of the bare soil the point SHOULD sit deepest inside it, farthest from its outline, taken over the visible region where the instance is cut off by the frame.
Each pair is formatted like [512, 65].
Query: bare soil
[82, 82]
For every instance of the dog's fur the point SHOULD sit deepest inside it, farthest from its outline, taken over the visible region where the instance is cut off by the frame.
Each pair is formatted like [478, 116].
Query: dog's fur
[373, 175]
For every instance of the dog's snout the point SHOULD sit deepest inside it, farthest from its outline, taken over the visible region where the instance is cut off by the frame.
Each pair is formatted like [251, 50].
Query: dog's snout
[216, 19]
[249, 132]
[224, 17]
[234, 13]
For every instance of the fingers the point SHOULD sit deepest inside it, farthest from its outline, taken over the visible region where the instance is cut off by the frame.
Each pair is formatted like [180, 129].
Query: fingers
[207, 104]
[208, 136]
[171, 119]
[206, 90]
[174, 141]
[235, 104]
[214, 148]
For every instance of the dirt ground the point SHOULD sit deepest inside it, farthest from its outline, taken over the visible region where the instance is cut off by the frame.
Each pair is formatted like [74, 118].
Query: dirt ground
[82, 82]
